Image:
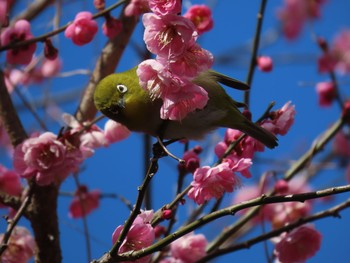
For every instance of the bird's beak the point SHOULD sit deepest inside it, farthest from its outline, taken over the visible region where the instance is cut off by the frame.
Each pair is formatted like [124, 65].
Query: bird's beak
[121, 103]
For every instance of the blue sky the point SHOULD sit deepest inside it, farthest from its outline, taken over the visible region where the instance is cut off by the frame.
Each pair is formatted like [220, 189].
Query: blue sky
[119, 168]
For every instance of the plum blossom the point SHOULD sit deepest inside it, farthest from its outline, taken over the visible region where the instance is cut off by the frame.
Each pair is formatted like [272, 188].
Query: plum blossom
[115, 132]
[281, 120]
[201, 17]
[340, 51]
[140, 235]
[165, 7]
[180, 96]
[265, 63]
[298, 245]
[112, 27]
[341, 145]
[168, 36]
[295, 13]
[84, 202]
[46, 158]
[189, 248]
[3, 13]
[136, 8]
[280, 214]
[50, 68]
[9, 182]
[193, 61]
[176, 105]
[326, 93]
[213, 182]
[191, 159]
[83, 29]
[19, 32]
[21, 246]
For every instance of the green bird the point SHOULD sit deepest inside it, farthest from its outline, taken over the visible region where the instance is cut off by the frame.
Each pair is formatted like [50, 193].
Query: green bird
[120, 97]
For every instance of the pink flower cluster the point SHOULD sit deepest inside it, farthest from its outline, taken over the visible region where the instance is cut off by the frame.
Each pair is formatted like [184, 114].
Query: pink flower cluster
[302, 242]
[337, 56]
[187, 249]
[213, 182]
[94, 137]
[36, 74]
[140, 235]
[84, 28]
[84, 202]
[295, 13]
[191, 159]
[9, 182]
[20, 247]
[19, 32]
[298, 245]
[179, 59]
[46, 158]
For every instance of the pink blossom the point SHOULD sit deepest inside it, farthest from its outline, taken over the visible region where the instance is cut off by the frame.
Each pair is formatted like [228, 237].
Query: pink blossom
[3, 13]
[50, 68]
[115, 132]
[280, 214]
[246, 193]
[282, 119]
[341, 145]
[19, 32]
[178, 104]
[212, 182]
[46, 158]
[327, 62]
[91, 138]
[21, 246]
[180, 97]
[165, 7]
[9, 182]
[154, 77]
[326, 93]
[193, 61]
[294, 14]
[83, 29]
[136, 8]
[84, 202]
[189, 248]
[140, 235]
[341, 51]
[168, 36]
[201, 17]
[298, 245]
[191, 159]
[112, 27]
[265, 63]
[99, 4]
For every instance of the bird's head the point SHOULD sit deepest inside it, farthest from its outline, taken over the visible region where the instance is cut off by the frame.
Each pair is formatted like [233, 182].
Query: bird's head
[113, 93]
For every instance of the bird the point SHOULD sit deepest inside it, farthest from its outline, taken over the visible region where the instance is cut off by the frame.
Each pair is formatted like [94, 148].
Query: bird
[120, 97]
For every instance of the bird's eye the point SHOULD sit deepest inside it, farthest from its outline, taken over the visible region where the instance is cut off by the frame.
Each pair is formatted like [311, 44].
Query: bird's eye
[122, 88]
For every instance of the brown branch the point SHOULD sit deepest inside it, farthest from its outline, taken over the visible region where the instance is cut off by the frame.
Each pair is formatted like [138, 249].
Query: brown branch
[10, 200]
[229, 211]
[332, 212]
[57, 31]
[255, 48]
[291, 172]
[13, 222]
[32, 10]
[105, 65]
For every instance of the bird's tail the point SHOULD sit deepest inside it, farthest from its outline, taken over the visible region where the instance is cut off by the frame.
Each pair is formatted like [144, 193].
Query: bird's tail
[258, 133]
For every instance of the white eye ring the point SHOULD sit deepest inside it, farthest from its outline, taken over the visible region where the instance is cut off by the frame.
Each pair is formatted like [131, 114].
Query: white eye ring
[122, 88]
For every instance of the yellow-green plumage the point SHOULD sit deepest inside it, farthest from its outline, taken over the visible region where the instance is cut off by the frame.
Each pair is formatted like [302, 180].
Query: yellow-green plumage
[120, 97]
